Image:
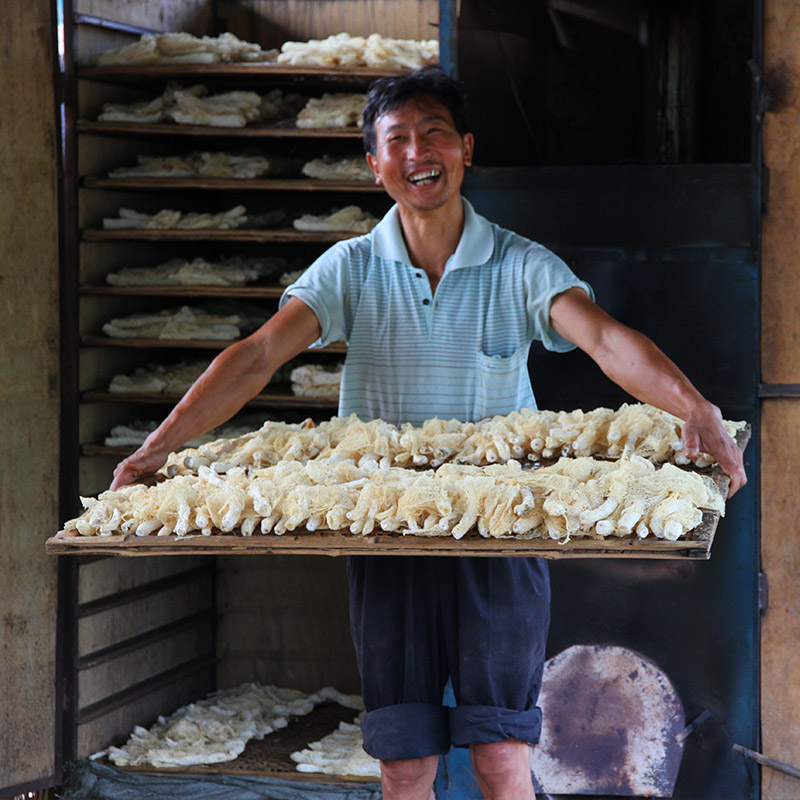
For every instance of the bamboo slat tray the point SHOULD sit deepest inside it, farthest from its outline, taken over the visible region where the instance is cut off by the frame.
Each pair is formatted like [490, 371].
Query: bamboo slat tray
[695, 545]
[259, 184]
[255, 130]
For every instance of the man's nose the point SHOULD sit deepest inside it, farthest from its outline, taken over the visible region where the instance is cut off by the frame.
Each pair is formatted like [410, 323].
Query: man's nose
[418, 146]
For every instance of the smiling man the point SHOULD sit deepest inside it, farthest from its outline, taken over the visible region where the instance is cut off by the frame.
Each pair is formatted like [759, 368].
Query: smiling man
[439, 308]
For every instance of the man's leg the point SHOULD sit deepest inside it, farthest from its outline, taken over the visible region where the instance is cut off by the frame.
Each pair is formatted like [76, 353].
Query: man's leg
[409, 779]
[500, 618]
[395, 621]
[503, 769]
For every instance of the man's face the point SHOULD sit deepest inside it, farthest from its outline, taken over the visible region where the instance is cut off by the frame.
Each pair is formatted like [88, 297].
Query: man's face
[419, 155]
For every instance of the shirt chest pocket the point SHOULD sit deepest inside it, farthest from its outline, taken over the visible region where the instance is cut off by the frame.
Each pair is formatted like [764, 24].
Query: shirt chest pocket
[503, 383]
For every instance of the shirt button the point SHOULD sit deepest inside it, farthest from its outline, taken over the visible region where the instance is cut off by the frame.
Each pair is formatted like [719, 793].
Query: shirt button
[419, 274]
[426, 302]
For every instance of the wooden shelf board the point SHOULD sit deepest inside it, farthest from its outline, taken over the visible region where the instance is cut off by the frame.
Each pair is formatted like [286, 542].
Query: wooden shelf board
[259, 69]
[278, 235]
[251, 184]
[250, 292]
[273, 399]
[338, 544]
[196, 344]
[255, 130]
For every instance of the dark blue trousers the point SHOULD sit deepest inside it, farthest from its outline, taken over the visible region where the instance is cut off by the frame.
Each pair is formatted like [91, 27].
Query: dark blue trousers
[419, 620]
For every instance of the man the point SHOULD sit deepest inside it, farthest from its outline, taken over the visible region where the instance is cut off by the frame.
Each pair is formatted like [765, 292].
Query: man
[439, 308]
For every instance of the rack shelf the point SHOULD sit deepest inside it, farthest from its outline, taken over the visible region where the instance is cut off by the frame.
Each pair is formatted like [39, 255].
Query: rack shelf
[193, 344]
[256, 130]
[260, 70]
[252, 292]
[237, 184]
[275, 398]
[278, 235]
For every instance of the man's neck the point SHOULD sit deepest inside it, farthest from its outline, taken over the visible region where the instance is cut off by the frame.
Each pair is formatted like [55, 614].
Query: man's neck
[432, 237]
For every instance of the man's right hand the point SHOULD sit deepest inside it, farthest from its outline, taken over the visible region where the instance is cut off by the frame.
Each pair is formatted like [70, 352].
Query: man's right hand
[144, 462]
[236, 375]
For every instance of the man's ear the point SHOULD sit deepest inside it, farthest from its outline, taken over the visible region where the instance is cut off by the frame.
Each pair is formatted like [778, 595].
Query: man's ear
[469, 147]
[373, 165]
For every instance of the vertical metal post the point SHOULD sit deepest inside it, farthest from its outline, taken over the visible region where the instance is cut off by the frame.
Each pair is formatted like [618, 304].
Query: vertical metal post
[448, 44]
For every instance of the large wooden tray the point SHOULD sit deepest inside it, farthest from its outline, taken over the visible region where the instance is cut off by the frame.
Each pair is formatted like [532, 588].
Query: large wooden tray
[330, 543]
[695, 545]
[334, 543]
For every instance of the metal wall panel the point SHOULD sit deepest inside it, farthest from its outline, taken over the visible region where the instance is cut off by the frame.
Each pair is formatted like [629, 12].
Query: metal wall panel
[674, 263]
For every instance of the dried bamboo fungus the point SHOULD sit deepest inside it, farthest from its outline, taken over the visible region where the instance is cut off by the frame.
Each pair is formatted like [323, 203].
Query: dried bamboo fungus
[574, 497]
[640, 430]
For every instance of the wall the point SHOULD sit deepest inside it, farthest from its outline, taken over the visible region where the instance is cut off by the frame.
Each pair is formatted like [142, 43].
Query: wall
[29, 392]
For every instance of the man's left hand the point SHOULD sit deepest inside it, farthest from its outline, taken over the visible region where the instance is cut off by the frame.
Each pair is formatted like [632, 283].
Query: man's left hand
[703, 432]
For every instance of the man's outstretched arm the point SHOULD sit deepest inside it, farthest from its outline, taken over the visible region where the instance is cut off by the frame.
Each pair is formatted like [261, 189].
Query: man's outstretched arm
[235, 376]
[633, 362]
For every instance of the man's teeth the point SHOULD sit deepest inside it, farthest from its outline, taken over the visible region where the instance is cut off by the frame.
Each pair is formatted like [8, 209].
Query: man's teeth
[424, 178]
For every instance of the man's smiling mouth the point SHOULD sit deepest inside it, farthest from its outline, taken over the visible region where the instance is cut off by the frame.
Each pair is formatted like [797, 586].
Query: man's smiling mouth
[424, 177]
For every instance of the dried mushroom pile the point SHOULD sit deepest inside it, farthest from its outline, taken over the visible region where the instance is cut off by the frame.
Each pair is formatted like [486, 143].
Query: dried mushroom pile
[351, 476]
[219, 727]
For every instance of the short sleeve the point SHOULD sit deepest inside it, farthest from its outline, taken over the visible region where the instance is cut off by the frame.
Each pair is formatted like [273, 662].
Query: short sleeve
[324, 288]
[545, 277]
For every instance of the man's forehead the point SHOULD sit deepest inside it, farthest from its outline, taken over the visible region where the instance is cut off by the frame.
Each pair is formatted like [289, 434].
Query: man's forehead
[430, 108]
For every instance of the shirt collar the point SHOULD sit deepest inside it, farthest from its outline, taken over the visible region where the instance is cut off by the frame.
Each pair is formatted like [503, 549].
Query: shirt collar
[475, 246]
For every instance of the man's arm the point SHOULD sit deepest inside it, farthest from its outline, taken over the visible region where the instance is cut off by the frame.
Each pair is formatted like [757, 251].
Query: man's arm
[235, 376]
[633, 362]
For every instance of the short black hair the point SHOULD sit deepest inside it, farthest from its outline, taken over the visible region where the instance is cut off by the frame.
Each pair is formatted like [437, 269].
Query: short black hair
[389, 94]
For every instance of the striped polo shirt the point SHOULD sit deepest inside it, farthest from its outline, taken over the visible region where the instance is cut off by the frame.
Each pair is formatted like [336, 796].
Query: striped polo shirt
[461, 352]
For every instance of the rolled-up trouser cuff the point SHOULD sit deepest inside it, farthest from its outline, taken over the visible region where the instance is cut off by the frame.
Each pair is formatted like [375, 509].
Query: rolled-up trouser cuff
[406, 730]
[471, 724]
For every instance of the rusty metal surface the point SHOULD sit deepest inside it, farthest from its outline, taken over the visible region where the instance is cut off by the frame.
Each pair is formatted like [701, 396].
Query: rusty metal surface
[610, 721]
